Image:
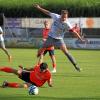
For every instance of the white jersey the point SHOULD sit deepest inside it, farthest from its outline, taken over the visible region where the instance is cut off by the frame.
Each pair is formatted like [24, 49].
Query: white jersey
[1, 35]
[58, 28]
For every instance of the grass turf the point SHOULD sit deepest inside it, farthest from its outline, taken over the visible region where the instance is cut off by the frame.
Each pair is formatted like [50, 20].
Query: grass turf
[68, 83]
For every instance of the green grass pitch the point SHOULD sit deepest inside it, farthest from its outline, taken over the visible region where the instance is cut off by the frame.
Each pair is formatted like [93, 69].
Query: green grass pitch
[68, 84]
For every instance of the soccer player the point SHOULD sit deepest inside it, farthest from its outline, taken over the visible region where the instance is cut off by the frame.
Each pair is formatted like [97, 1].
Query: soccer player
[76, 28]
[55, 37]
[2, 45]
[49, 49]
[36, 76]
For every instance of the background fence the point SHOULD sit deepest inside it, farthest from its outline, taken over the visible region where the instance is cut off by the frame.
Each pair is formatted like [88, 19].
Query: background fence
[27, 32]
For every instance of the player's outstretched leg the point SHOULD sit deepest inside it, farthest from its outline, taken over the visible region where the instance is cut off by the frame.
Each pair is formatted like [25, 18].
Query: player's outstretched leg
[8, 70]
[7, 53]
[14, 85]
[40, 51]
[70, 57]
[73, 61]
[53, 63]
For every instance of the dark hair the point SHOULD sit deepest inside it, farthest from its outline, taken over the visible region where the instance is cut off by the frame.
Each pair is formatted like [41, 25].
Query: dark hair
[64, 11]
[43, 66]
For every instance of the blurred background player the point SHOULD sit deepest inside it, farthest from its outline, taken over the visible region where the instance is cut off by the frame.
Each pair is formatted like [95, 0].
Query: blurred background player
[2, 45]
[49, 49]
[36, 76]
[55, 37]
[76, 28]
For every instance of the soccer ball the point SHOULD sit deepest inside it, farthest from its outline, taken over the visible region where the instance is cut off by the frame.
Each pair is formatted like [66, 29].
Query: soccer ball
[33, 90]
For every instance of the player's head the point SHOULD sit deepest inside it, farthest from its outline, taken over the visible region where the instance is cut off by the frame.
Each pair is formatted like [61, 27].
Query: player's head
[64, 15]
[43, 67]
[47, 24]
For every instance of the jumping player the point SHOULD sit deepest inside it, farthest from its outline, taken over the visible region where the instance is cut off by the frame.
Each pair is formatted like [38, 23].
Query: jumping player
[36, 76]
[2, 45]
[55, 37]
[49, 49]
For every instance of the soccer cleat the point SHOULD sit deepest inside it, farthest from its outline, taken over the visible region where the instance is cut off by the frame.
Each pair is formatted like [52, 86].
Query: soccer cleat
[21, 67]
[10, 58]
[77, 68]
[4, 84]
[53, 71]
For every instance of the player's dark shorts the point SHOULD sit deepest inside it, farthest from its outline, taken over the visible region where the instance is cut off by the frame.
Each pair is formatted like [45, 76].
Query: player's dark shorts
[51, 52]
[26, 77]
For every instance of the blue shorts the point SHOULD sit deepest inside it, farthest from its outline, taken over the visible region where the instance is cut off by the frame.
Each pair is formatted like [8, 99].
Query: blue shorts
[51, 52]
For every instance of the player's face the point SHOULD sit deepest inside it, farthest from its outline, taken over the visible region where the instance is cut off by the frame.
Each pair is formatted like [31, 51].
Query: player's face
[46, 24]
[64, 17]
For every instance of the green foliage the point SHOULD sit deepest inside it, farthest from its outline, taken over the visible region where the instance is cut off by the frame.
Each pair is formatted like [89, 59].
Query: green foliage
[23, 8]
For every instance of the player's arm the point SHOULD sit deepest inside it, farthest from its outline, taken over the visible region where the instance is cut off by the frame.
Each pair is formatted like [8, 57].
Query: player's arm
[50, 82]
[42, 9]
[81, 38]
[75, 32]
[27, 69]
[78, 35]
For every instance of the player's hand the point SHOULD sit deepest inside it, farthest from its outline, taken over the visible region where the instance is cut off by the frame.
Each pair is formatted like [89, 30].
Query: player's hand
[85, 40]
[36, 5]
[50, 85]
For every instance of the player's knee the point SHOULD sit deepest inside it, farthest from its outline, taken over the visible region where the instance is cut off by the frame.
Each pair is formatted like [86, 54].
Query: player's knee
[19, 72]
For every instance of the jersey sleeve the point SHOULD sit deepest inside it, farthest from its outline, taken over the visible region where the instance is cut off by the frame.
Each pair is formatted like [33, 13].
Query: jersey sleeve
[54, 16]
[1, 31]
[69, 25]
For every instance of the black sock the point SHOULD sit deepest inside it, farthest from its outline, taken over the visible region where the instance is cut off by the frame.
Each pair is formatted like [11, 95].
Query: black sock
[70, 57]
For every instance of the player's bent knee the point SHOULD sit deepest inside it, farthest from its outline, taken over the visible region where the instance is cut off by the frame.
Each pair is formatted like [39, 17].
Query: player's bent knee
[19, 72]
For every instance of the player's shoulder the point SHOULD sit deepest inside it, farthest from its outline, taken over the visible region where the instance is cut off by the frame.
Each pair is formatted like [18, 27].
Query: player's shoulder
[48, 72]
[54, 15]
[37, 66]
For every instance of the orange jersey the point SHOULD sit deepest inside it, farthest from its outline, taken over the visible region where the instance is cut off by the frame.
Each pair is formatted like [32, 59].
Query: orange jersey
[45, 33]
[38, 77]
[50, 48]
[45, 36]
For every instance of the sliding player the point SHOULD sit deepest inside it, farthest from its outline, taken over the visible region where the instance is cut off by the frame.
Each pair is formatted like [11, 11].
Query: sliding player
[36, 76]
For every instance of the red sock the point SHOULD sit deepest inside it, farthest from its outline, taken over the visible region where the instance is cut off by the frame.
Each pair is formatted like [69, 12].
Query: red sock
[6, 69]
[13, 85]
[54, 65]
